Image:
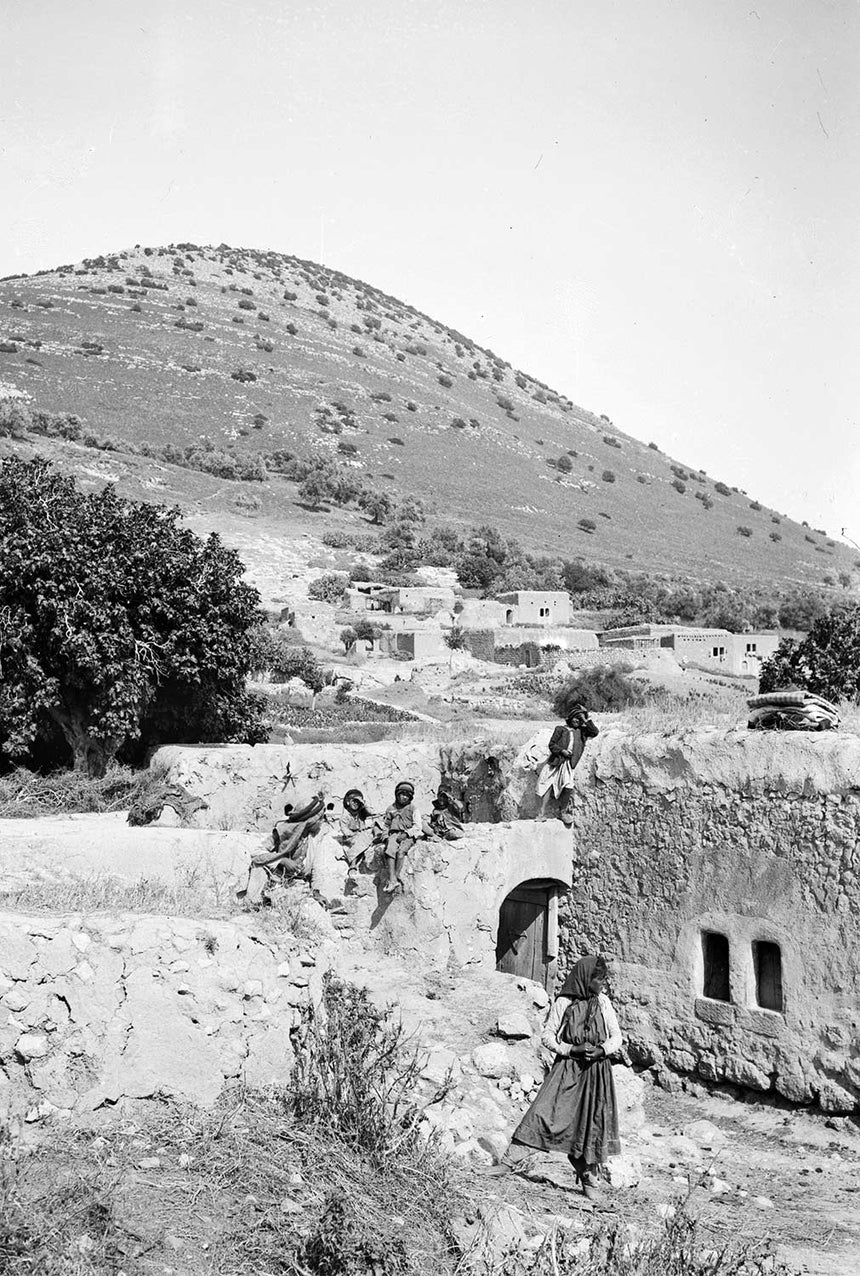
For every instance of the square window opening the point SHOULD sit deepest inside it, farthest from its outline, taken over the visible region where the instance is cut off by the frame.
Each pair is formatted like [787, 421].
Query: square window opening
[715, 955]
[767, 960]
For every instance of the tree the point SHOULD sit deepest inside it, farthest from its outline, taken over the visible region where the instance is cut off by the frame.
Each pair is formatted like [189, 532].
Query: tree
[329, 588]
[377, 505]
[118, 626]
[826, 661]
[314, 490]
[301, 663]
[801, 611]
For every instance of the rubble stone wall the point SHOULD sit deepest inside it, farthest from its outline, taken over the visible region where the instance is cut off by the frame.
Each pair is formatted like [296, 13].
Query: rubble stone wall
[754, 836]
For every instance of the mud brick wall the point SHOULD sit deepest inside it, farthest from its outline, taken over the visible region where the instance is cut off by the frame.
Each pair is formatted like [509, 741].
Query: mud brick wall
[755, 838]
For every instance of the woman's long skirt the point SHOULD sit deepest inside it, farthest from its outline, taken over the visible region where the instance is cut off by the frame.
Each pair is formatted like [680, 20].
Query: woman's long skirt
[575, 1111]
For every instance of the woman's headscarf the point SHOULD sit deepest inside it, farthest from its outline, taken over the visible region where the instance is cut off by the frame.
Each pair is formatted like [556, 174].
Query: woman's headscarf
[585, 982]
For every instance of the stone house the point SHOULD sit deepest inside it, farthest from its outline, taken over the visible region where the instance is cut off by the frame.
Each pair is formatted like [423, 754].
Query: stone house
[738, 654]
[536, 607]
[415, 600]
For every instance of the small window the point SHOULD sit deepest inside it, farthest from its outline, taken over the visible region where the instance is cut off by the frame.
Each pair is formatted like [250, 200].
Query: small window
[715, 652]
[767, 960]
[751, 647]
[715, 954]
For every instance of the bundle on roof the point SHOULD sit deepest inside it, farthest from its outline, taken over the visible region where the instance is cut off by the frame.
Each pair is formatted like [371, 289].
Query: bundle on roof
[792, 710]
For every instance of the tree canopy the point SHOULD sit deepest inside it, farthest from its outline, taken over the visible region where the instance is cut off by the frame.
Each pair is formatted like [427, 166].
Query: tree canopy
[118, 626]
[826, 661]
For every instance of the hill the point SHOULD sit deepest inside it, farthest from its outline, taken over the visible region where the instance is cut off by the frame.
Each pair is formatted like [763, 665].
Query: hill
[249, 353]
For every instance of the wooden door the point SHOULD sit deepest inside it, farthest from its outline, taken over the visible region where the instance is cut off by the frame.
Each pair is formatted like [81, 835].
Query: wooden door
[523, 931]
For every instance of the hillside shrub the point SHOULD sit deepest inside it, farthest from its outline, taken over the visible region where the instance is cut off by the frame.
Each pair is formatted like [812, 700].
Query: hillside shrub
[723, 489]
[601, 688]
[329, 588]
[744, 531]
[587, 525]
[359, 352]
[611, 441]
[755, 505]
[506, 404]
[445, 381]
[565, 464]
[242, 375]
[608, 476]
[679, 486]
[653, 447]
[679, 472]
[346, 449]
[775, 536]
[122, 628]
[291, 329]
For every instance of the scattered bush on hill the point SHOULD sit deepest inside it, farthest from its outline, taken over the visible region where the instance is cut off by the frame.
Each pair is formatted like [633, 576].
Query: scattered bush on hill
[826, 662]
[565, 464]
[329, 588]
[600, 688]
[744, 531]
[587, 525]
[775, 536]
[679, 486]
[608, 476]
[723, 489]
[121, 627]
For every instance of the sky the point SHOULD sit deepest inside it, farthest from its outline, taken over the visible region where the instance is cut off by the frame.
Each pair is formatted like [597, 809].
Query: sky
[652, 205]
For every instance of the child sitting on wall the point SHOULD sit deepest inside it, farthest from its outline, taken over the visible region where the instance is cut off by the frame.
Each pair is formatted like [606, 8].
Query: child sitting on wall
[446, 822]
[400, 827]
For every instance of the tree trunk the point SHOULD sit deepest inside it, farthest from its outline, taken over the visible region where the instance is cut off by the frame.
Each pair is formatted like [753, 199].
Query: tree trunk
[88, 755]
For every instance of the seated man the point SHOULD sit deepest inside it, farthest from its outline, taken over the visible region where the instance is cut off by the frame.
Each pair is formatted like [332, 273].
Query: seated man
[286, 860]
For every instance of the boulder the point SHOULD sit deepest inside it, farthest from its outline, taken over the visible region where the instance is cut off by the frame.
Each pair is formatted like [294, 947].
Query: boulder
[492, 1060]
[513, 1026]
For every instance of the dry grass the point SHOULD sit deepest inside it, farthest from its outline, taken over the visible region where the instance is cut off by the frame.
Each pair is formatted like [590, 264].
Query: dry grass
[102, 893]
[27, 794]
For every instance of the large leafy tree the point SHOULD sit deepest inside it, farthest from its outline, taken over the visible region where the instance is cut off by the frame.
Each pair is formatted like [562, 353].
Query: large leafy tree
[118, 626]
[826, 662]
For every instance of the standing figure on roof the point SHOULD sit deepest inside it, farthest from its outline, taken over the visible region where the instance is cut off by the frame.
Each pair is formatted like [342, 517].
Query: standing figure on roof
[399, 829]
[566, 746]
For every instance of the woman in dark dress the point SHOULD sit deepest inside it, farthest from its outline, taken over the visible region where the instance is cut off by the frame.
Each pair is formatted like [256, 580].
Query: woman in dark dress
[575, 1111]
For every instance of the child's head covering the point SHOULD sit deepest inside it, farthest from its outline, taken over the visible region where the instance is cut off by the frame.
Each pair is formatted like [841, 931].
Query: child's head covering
[404, 787]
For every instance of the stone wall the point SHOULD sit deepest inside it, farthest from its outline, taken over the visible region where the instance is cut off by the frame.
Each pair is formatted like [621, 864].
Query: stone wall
[101, 1008]
[752, 835]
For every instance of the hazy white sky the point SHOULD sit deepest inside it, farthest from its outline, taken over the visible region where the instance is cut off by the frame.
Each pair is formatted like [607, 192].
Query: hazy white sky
[650, 204]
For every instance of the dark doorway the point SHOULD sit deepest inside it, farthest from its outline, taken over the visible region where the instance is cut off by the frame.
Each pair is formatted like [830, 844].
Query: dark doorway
[523, 946]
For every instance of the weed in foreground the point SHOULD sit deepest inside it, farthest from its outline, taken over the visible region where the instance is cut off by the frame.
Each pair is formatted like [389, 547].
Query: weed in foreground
[681, 1246]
